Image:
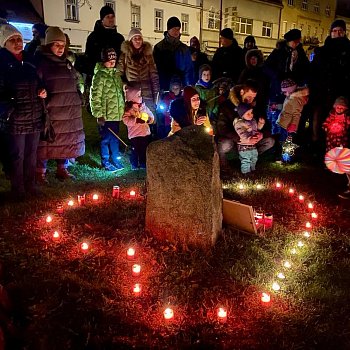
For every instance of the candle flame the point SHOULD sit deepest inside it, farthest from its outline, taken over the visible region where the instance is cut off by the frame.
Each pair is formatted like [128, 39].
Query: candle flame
[222, 313]
[168, 313]
[49, 219]
[276, 286]
[265, 298]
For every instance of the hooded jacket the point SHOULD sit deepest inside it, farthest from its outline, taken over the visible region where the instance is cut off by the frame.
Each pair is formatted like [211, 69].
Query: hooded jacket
[106, 94]
[140, 70]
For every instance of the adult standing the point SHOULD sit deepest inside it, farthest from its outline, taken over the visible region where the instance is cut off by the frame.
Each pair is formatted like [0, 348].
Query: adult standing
[63, 104]
[198, 57]
[288, 61]
[228, 60]
[104, 36]
[249, 44]
[20, 110]
[330, 74]
[137, 67]
[38, 31]
[173, 57]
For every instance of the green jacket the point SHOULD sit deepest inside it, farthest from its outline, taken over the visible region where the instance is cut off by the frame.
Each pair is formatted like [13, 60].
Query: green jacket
[210, 97]
[106, 94]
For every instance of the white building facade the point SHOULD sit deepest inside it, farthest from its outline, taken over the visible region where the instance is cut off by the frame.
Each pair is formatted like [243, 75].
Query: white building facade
[77, 17]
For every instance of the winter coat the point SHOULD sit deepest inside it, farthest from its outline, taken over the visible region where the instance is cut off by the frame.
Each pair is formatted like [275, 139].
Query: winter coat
[137, 127]
[278, 67]
[63, 103]
[330, 71]
[106, 94]
[99, 39]
[337, 129]
[210, 97]
[245, 129]
[201, 58]
[141, 69]
[292, 107]
[21, 110]
[173, 58]
[228, 62]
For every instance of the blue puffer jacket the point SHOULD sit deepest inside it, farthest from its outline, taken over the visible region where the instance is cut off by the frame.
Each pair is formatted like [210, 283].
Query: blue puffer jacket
[20, 107]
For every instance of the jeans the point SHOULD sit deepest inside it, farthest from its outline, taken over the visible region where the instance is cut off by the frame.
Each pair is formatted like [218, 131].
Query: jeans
[109, 147]
[248, 160]
[22, 150]
[138, 151]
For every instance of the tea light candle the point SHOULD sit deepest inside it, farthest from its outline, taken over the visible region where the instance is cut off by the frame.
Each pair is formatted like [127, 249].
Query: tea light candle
[306, 234]
[130, 253]
[116, 192]
[49, 219]
[136, 270]
[278, 185]
[70, 203]
[275, 286]
[314, 216]
[291, 191]
[310, 206]
[132, 194]
[84, 247]
[137, 289]
[168, 313]
[241, 187]
[81, 199]
[95, 197]
[281, 276]
[287, 264]
[265, 298]
[56, 235]
[293, 251]
[259, 187]
[222, 314]
[308, 225]
[300, 244]
[59, 209]
[301, 198]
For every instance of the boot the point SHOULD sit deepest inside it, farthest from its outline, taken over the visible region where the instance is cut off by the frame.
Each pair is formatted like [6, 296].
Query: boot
[63, 174]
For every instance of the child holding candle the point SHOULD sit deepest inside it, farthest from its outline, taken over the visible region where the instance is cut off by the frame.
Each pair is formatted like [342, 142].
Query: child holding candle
[137, 117]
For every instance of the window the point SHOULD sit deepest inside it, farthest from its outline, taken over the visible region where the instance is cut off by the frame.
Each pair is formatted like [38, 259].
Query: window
[304, 5]
[284, 27]
[213, 19]
[267, 29]
[328, 11]
[158, 20]
[317, 7]
[290, 2]
[243, 25]
[72, 10]
[135, 16]
[184, 23]
[110, 4]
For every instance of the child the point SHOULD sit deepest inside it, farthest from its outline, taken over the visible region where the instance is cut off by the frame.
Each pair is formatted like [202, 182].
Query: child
[136, 117]
[337, 127]
[207, 92]
[247, 129]
[296, 99]
[107, 105]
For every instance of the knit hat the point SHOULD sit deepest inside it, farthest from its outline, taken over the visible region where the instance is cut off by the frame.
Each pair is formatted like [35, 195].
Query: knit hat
[131, 92]
[288, 85]
[108, 55]
[293, 34]
[178, 111]
[338, 23]
[7, 31]
[189, 92]
[54, 34]
[341, 101]
[227, 33]
[133, 32]
[172, 23]
[203, 68]
[105, 11]
[249, 39]
[242, 108]
[41, 28]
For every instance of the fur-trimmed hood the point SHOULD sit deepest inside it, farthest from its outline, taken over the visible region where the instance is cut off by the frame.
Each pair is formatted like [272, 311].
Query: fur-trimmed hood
[301, 91]
[235, 96]
[254, 52]
[127, 49]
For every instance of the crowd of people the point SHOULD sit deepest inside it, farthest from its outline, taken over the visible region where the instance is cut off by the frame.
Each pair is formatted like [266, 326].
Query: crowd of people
[250, 103]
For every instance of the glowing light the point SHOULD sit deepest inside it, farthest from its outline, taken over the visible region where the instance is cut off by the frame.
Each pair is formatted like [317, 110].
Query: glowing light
[310, 206]
[306, 234]
[209, 130]
[168, 313]
[259, 187]
[95, 197]
[281, 276]
[287, 264]
[275, 286]
[300, 244]
[293, 251]
[288, 149]
[291, 191]
[241, 186]
[84, 246]
[130, 253]
[314, 216]
[132, 194]
[136, 289]
[56, 235]
[70, 203]
[278, 185]
[116, 192]
[136, 270]
[308, 225]
[81, 199]
[60, 209]
[49, 219]
[301, 198]
[222, 313]
[265, 298]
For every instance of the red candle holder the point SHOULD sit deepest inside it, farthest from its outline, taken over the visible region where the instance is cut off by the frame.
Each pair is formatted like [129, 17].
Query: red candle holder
[136, 270]
[95, 197]
[49, 219]
[84, 247]
[222, 314]
[278, 185]
[265, 297]
[301, 198]
[310, 206]
[116, 192]
[130, 253]
[132, 194]
[59, 209]
[81, 199]
[308, 225]
[56, 236]
[314, 216]
[137, 289]
[70, 203]
[291, 191]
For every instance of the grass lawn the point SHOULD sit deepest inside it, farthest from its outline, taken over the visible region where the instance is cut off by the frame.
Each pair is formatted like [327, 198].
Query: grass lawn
[66, 299]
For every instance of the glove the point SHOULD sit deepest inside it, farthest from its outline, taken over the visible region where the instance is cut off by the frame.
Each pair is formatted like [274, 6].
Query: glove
[101, 121]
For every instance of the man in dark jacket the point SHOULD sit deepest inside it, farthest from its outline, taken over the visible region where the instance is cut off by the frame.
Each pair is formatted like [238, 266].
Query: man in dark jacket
[198, 57]
[228, 60]
[173, 57]
[105, 35]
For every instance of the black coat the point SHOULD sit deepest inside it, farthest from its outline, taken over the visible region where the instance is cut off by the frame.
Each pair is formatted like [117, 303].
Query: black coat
[20, 107]
[64, 107]
[97, 40]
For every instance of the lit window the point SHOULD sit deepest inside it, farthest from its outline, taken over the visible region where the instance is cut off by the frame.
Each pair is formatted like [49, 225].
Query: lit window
[267, 29]
[135, 16]
[284, 27]
[110, 4]
[213, 19]
[304, 5]
[158, 20]
[184, 23]
[290, 2]
[72, 10]
[243, 25]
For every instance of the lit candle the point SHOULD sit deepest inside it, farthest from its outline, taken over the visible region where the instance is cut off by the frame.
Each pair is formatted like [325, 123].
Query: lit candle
[306, 234]
[168, 313]
[95, 197]
[310, 206]
[49, 219]
[222, 314]
[137, 289]
[84, 246]
[130, 253]
[275, 286]
[116, 192]
[265, 298]
[81, 199]
[241, 187]
[301, 198]
[278, 185]
[287, 264]
[56, 235]
[70, 203]
[293, 251]
[314, 216]
[308, 225]
[300, 244]
[136, 269]
[259, 187]
[132, 194]
[291, 191]
[59, 209]
[281, 276]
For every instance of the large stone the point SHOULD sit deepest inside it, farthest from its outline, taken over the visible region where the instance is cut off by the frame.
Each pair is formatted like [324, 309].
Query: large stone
[184, 192]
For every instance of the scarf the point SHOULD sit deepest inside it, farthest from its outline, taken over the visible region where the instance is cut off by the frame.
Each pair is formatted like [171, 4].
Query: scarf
[208, 85]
